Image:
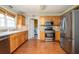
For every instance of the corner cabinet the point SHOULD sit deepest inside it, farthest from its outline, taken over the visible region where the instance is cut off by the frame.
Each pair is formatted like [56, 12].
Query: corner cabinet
[17, 39]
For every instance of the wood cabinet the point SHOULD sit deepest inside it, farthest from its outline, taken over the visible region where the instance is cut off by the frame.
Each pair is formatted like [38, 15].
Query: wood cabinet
[22, 37]
[20, 20]
[42, 36]
[13, 43]
[42, 20]
[54, 19]
[57, 36]
[17, 39]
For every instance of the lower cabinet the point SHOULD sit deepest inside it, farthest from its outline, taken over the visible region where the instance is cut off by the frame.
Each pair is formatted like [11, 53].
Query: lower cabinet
[42, 36]
[12, 42]
[57, 36]
[17, 39]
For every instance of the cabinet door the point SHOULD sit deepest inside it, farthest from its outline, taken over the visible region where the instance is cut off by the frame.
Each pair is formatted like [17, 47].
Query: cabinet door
[42, 36]
[20, 20]
[42, 20]
[19, 38]
[56, 20]
[57, 35]
[12, 42]
[23, 20]
[23, 36]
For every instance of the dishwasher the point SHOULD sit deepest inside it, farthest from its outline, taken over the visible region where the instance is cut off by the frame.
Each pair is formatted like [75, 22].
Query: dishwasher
[4, 45]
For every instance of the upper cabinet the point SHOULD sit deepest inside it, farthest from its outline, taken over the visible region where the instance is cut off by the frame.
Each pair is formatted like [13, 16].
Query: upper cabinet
[42, 20]
[20, 20]
[11, 20]
[54, 19]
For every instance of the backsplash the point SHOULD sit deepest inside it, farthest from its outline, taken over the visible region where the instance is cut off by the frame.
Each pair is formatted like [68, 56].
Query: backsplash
[56, 28]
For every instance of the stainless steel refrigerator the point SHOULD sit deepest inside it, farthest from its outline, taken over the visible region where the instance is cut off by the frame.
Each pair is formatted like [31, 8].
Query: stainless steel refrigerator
[69, 40]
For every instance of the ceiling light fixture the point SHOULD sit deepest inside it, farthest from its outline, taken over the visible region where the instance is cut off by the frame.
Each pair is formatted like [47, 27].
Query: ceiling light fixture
[42, 7]
[10, 6]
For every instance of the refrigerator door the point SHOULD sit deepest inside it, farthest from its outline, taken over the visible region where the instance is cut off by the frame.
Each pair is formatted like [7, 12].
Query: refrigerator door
[68, 33]
[62, 34]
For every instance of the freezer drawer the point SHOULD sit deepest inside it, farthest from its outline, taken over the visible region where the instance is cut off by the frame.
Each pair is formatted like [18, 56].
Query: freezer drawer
[67, 46]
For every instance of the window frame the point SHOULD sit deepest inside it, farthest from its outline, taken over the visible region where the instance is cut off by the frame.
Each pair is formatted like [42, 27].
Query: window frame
[12, 20]
[7, 13]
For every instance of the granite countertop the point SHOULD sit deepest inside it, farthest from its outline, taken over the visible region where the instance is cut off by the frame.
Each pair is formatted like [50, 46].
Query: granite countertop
[9, 32]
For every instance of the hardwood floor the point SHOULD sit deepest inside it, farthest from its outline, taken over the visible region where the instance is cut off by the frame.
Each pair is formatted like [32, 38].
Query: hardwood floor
[39, 47]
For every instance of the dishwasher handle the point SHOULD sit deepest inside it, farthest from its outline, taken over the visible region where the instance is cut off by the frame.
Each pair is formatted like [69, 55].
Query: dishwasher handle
[3, 38]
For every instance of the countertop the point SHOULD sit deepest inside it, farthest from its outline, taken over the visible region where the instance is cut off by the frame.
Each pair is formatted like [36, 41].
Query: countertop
[9, 32]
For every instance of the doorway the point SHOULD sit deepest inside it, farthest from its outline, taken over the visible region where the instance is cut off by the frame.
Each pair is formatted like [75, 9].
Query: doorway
[35, 28]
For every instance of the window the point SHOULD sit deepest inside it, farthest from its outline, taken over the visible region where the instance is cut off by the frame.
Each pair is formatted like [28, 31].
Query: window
[11, 23]
[7, 19]
[2, 20]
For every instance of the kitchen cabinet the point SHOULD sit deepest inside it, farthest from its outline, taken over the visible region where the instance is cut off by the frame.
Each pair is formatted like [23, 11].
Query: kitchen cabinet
[42, 36]
[42, 20]
[17, 39]
[54, 19]
[20, 21]
[13, 43]
[57, 36]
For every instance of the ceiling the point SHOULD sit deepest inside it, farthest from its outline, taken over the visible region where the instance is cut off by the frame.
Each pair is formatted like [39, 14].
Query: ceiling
[40, 9]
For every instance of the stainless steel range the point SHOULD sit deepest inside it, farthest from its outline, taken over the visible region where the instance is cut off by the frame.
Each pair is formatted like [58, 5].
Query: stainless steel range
[49, 31]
